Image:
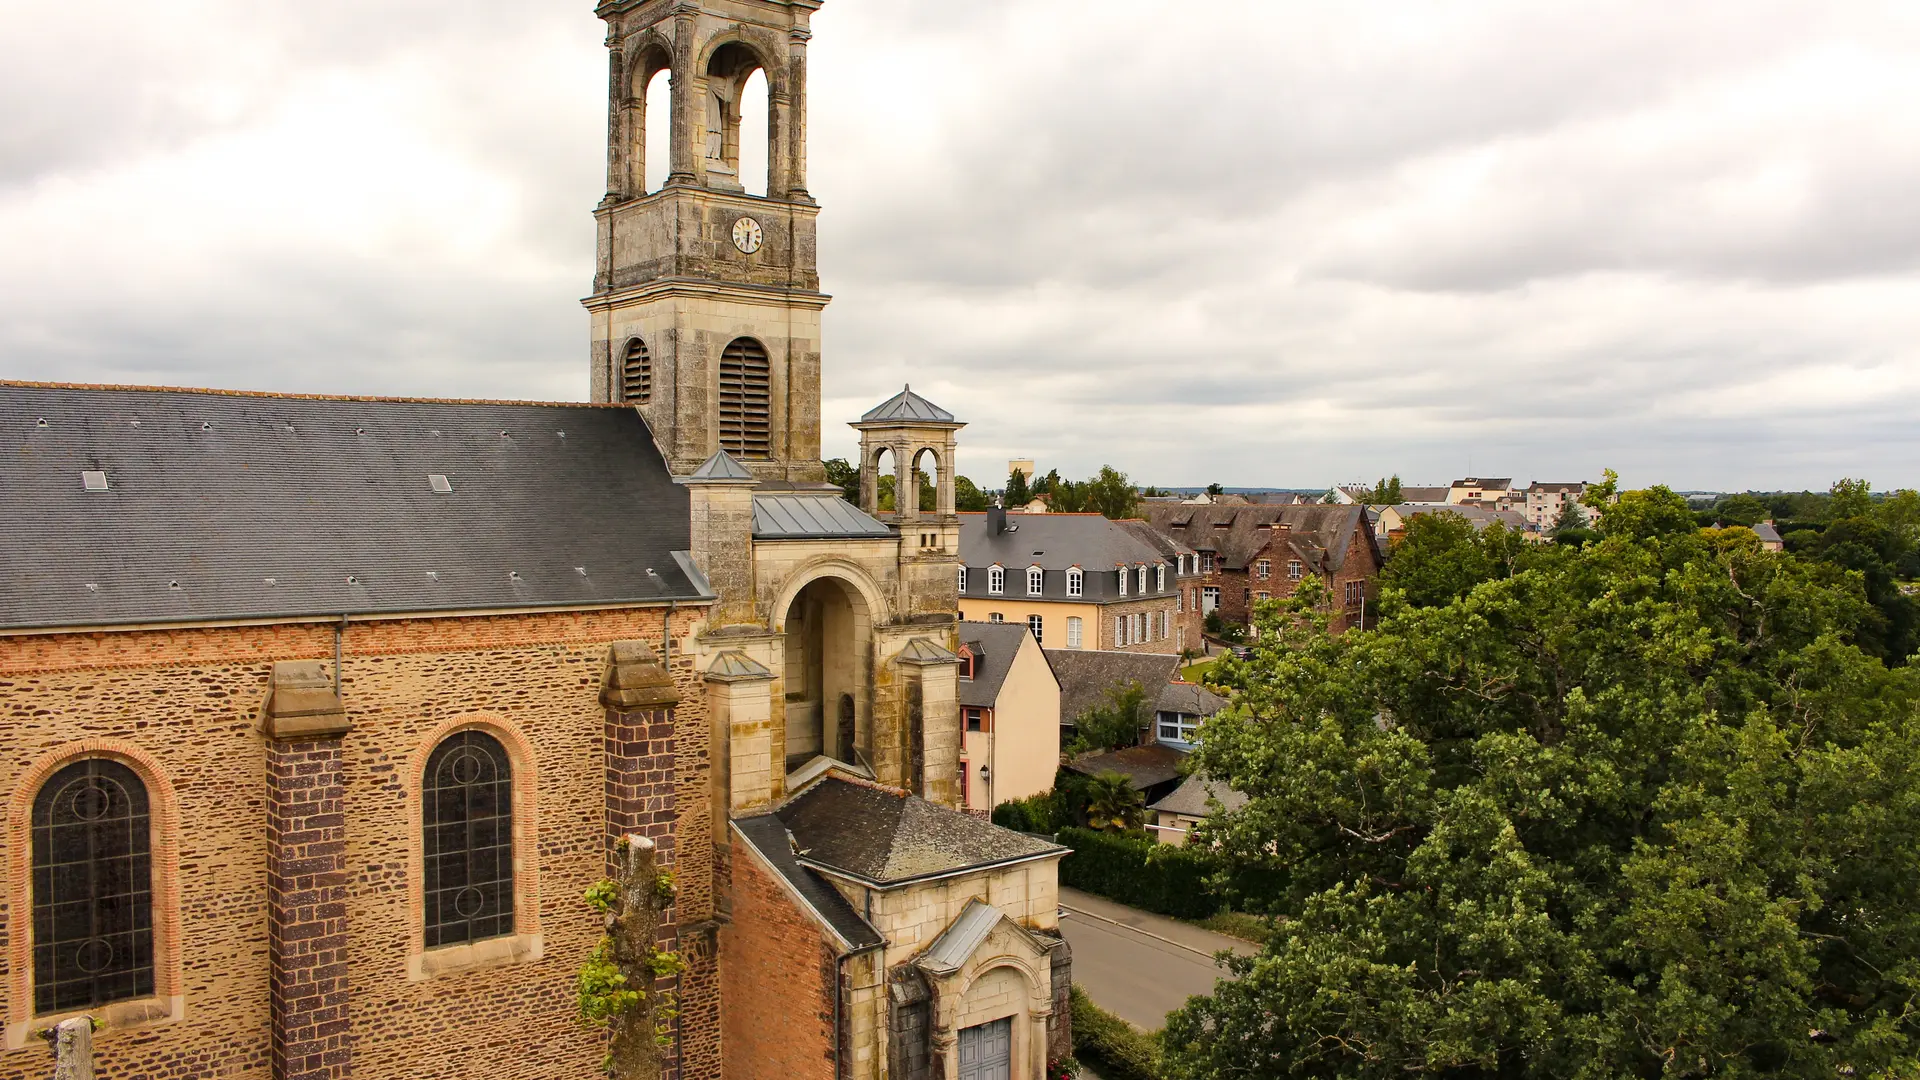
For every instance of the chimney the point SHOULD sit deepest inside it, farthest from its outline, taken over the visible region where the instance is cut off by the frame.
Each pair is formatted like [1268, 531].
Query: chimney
[996, 520]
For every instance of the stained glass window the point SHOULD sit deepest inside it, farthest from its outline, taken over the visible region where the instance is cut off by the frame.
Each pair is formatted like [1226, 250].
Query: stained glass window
[92, 888]
[467, 815]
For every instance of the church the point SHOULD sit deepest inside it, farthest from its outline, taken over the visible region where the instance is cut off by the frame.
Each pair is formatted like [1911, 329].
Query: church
[320, 715]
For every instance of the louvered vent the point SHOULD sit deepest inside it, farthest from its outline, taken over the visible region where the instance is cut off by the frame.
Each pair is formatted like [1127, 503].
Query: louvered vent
[636, 374]
[746, 400]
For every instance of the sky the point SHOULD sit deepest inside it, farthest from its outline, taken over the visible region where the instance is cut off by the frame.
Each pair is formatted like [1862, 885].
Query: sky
[1255, 242]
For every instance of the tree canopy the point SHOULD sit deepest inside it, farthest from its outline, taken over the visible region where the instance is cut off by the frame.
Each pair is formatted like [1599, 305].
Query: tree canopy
[1643, 807]
[1016, 492]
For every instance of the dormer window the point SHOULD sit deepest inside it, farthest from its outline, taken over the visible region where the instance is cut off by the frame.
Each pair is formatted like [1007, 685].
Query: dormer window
[996, 580]
[1160, 578]
[1143, 581]
[963, 580]
[1036, 579]
[1076, 582]
[1123, 581]
[967, 662]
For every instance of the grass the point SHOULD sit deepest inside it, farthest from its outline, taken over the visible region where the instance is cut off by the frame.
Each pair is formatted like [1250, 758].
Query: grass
[1193, 672]
[1235, 924]
[1117, 1049]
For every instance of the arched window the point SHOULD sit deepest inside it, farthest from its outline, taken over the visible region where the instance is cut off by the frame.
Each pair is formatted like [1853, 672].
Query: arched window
[467, 819]
[1076, 582]
[636, 373]
[1036, 580]
[996, 581]
[746, 400]
[92, 888]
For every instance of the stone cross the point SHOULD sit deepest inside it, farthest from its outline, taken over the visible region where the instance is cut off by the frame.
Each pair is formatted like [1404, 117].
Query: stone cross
[73, 1049]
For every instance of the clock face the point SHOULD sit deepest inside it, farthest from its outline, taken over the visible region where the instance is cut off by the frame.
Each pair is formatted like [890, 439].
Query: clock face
[746, 235]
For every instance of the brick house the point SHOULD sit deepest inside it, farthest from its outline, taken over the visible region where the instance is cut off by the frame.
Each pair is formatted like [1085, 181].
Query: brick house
[1250, 553]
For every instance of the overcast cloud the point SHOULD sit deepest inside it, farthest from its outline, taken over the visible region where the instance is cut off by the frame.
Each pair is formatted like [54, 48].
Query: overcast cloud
[1254, 241]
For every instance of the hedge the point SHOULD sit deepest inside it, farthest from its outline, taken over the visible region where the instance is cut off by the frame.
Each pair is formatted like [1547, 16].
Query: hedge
[1140, 873]
[1116, 1048]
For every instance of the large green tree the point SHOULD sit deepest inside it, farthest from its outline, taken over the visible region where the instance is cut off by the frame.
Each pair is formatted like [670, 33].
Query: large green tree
[1016, 491]
[1640, 808]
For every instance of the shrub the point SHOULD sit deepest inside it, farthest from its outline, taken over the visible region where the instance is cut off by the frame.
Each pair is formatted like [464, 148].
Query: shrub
[1116, 1048]
[1140, 873]
[1040, 813]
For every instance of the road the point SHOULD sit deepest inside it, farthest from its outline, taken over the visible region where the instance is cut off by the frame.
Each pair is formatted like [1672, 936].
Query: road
[1136, 965]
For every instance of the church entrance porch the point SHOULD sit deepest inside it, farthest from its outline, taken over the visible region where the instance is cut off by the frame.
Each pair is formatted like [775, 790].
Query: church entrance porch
[826, 639]
[986, 1051]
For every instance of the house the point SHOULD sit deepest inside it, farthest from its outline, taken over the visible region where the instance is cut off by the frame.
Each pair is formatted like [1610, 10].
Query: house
[1545, 501]
[1350, 494]
[1153, 770]
[1178, 711]
[1390, 522]
[1009, 716]
[1088, 680]
[1188, 624]
[1252, 553]
[1494, 493]
[1174, 815]
[1769, 536]
[365, 693]
[1078, 581]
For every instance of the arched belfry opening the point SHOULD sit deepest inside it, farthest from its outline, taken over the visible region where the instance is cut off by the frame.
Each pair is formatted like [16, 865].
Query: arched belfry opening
[735, 73]
[827, 638]
[653, 157]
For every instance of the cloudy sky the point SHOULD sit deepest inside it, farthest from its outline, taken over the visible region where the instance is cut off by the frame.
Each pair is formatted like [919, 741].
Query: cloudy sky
[1262, 242]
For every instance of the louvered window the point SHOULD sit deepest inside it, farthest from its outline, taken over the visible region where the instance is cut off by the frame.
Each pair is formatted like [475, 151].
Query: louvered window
[746, 400]
[636, 374]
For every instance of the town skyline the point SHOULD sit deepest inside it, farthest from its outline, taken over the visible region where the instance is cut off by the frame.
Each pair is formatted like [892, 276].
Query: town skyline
[1367, 249]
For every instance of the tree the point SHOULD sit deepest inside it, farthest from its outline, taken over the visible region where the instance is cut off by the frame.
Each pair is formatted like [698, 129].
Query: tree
[967, 497]
[1386, 492]
[1111, 494]
[1045, 485]
[1016, 494]
[846, 476]
[1117, 723]
[1570, 517]
[1216, 489]
[1740, 509]
[1112, 803]
[1439, 559]
[1643, 515]
[1642, 808]
[1849, 498]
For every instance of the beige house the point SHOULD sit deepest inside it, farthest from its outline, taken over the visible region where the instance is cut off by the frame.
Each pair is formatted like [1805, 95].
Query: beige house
[1077, 581]
[1493, 492]
[1009, 716]
[1195, 800]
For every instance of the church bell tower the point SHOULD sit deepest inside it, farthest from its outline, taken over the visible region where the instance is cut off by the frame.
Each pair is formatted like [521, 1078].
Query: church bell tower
[706, 300]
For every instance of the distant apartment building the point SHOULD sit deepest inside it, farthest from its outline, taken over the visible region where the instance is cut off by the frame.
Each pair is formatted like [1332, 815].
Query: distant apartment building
[1493, 493]
[1246, 554]
[1545, 501]
[1076, 581]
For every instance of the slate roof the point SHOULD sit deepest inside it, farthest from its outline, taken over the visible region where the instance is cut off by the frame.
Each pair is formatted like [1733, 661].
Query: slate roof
[1766, 532]
[1190, 798]
[1424, 494]
[885, 837]
[994, 646]
[907, 405]
[1170, 549]
[1485, 483]
[224, 506]
[1478, 516]
[813, 517]
[1551, 487]
[1189, 699]
[1086, 676]
[1318, 534]
[1143, 766]
[770, 838]
[1058, 543]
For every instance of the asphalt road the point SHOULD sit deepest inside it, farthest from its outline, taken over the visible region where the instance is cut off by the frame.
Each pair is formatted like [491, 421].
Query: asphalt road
[1136, 965]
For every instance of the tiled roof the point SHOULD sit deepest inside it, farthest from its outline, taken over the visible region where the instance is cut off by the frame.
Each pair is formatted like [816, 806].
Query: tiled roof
[1190, 799]
[222, 506]
[994, 646]
[828, 516]
[886, 837]
[1087, 677]
[1189, 699]
[907, 405]
[770, 838]
[1143, 766]
[1236, 534]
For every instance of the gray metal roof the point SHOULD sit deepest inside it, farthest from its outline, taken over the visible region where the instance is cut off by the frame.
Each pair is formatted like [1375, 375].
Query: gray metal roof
[907, 405]
[962, 938]
[223, 506]
[793, 517]
[886, 837]
[770, 838]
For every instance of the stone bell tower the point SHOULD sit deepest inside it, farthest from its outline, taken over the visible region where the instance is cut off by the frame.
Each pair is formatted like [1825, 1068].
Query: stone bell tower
[706, 299]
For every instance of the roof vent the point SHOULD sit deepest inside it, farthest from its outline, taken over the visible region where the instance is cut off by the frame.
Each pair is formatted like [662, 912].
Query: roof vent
[581, 570]
[435, 433]
[439, 483]
[562, 434]
[273, 581]
[173, 584]
[206, 425]
[505, 435]
[513, 575]
[359, 431]
[288, 428]
[135, 423]
[93, 587]
[433, 575]
[93, 480]
[353, 579]
[42, 422]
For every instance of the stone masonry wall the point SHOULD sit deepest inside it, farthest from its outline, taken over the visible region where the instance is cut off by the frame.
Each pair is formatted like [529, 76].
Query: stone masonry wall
[778, 979]
[307, 910]
[191, 699]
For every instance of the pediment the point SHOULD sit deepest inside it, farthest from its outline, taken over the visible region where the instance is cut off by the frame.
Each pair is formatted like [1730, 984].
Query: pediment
[981, 932]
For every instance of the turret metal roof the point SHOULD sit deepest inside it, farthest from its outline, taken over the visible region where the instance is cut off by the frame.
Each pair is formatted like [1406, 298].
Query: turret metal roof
[909, 406]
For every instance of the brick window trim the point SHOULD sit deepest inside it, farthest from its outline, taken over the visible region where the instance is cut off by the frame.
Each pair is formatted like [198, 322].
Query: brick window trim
[166, 1004]
[526, 944]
